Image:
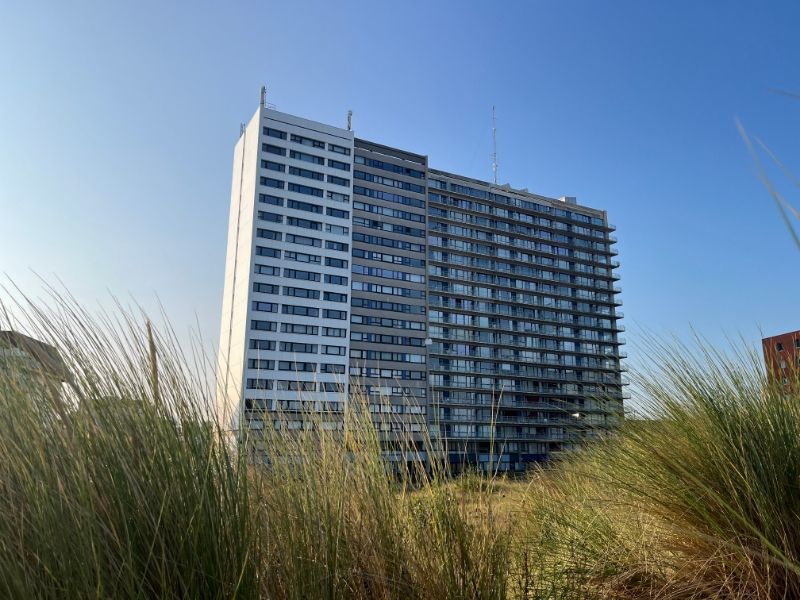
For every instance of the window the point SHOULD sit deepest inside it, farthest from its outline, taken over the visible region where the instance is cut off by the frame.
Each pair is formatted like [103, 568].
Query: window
[334, 332]
[298, 328]
[303, 240]
[269, 199]
[338, 180]
[299, 139]
[334, 314]
[300, 292]
[296, 386]
[273, 149]
[339, 214]
[388, 196]
[306, 206]
[270, 216]
[378, 164]
[273, 166]
[304, 189]
[257, 325]
[310, 158]
[337, 246]
[305, 173]
[259, 384]
[269, 252]
[328, 368]
[337, 229]
[336, 279]
[265, 288]
[337, 197]
[304, 223]
[303, 367]
[336, 262]
[386, 242]
[389, 212]
[268, 234]
[304, 275]
[273, 183]
[265, 306]
[403, 185]
[334, 297]
[302, 257]
[331, 386]
[260, 364]
[276, 133]
[334, 350]
[779, 347]
[262, 345]
[337, 164]
[304, 311]
[339, 149]
[298, 348]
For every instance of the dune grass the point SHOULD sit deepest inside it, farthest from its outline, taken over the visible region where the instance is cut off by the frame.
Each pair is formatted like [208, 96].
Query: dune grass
[125, 486]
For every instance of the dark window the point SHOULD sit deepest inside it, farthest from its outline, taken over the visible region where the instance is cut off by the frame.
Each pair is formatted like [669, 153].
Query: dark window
[268, 234]
[304, 223]
[334, 314]
[298, 139]
[338, 180]
[304, 311]
[265, 288]
[339, 149]
[260, 364]
[303, 240]
[306, 206]
[259, 384]
[336, 262]
[317, 160]
[262, 345]
[267, 270]
[299, 328]
[298, 347]
[304, 275]
[300, 292]
[270, 216]
[265, 306]
[337, 246]
[334, 297]
[257, 325]
[273, 183]
[305, 173]
[328, 368]
[339, 214]
[273, 149]
[273, 166]
[285, 365]
[779, 347]
[336, 279]
[304, 189]
[268, 199]
[337, 164]
[276, 133]
[334, 332]
[270, 252]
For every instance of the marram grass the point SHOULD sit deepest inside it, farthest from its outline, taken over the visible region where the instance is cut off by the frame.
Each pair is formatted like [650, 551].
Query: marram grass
[125, 486]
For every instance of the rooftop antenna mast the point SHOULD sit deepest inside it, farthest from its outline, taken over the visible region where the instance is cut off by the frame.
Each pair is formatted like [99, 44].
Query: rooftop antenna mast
[264, 96]
[349, 120]
[494, 146]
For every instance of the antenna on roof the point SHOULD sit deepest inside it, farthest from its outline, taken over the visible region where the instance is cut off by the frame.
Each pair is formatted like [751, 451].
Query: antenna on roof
[264, 96]
[494, 147]
[349, 120]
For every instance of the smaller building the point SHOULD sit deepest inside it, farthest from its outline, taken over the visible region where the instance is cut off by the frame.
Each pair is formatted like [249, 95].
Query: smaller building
[25, 361]
[782, 358]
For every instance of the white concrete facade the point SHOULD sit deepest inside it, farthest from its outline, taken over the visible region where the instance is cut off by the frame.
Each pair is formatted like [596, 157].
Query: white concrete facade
[285, 326]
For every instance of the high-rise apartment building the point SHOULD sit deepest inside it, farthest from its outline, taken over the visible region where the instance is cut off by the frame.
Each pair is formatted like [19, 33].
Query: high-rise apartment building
[479, 314]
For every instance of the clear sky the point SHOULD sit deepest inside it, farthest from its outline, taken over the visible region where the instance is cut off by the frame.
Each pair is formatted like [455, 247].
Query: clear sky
[118, 120]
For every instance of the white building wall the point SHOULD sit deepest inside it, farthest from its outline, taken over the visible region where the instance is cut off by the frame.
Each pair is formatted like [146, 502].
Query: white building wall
[263, 285]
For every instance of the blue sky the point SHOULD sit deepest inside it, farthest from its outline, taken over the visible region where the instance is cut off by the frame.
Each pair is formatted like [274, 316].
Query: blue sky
[117, 123]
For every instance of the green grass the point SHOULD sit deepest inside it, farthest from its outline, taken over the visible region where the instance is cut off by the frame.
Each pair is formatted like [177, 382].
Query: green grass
[125, 487]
